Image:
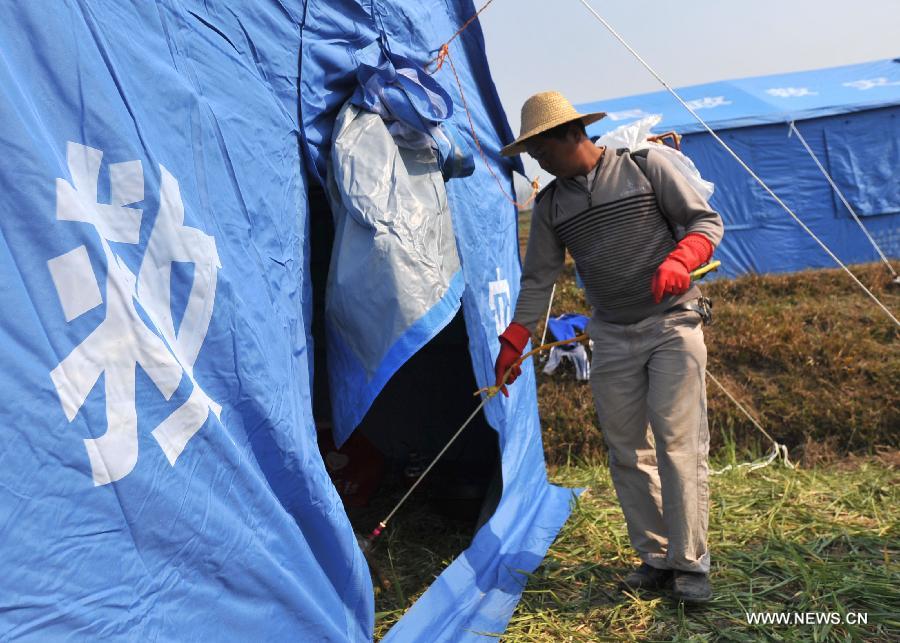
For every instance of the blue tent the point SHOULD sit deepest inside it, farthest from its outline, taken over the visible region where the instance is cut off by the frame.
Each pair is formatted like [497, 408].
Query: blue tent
[850, 117]
[160, 475]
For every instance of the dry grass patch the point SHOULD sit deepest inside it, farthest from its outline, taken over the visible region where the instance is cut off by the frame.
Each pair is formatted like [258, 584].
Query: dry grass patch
[811, 356]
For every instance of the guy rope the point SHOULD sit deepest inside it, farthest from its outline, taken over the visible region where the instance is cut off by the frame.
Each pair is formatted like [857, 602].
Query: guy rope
[737, 158]
[438, 62]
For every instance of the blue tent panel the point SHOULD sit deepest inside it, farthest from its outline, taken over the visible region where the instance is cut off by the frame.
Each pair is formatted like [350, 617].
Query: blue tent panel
[153, 240]
[862, 156]
[859, 151]
[160, 479]
[849, 116]
[759, 100]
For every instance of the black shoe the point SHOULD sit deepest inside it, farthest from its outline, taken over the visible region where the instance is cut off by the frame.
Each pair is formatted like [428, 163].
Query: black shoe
[646, 577]
[692, 587]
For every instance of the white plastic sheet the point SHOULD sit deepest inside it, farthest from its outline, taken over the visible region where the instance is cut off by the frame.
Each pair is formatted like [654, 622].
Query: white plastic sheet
[394, 250]
[634, 137]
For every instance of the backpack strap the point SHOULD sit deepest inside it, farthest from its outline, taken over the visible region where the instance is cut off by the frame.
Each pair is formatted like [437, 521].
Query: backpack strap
[546, 190]
[640, 158]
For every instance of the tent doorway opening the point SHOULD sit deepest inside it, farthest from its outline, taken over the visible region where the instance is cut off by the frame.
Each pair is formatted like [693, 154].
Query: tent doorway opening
[411, 420]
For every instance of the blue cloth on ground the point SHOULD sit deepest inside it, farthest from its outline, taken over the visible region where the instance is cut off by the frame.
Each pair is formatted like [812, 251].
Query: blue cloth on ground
[567, 326]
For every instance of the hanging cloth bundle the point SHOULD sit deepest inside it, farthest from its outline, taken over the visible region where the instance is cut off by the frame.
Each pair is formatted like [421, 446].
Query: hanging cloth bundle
[394, 280]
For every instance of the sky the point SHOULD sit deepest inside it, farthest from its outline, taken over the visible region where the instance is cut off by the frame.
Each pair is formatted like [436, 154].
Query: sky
[535, 45]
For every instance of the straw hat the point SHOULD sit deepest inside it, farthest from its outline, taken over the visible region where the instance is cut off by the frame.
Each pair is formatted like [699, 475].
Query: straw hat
[545, 111]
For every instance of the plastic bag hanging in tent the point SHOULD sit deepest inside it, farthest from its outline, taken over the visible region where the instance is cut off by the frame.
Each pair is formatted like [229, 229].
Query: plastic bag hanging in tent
[395, 278]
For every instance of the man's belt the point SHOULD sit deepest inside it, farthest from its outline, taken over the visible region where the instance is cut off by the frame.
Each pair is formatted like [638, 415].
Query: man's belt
[702, 306]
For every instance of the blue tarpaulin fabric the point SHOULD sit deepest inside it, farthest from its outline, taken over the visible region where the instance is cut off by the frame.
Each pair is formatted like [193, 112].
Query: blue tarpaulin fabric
[159, 474]
[479, 590]
[413, 103]
[160, 478]
[759, 100]
[849, 116]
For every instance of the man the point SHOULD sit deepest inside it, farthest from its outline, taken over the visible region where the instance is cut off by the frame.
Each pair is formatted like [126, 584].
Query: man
[618, 214]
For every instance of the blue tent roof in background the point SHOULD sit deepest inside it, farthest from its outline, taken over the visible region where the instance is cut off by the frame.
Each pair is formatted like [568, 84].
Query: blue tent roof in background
[761, 99]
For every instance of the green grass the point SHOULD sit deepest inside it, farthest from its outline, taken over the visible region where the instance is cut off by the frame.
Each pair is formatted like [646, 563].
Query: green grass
[821, 539]
[809, 540]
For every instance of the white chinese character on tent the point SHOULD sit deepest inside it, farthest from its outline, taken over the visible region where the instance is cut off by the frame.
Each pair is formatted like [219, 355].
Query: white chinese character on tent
[122, 341]
[791, 92]
[871, 83]
[499, 302]
[708, 102]
[632, 114]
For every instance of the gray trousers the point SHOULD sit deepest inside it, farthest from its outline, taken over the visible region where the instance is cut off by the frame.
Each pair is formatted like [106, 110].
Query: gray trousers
[649, 387]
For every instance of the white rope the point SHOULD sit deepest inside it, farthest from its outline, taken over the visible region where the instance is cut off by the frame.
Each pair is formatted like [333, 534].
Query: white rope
[459, 431]
[422, 475]
[757, 464]
[739, 160]
[547, 319]
[778, 449]
[793, 130]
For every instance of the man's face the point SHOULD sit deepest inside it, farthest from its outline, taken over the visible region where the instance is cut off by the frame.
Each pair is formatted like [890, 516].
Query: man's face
[554, 155]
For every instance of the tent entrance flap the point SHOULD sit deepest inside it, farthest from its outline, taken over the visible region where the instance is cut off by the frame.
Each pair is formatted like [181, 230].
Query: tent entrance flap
[410, 418]
[408, 423]
[416, 414]
[394, 279]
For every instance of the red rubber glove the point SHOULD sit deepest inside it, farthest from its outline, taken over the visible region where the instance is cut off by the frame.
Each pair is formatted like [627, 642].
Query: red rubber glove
[673, 277]
[512, 343]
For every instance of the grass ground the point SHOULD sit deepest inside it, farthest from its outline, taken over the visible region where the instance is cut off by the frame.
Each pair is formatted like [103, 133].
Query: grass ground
[824, 540]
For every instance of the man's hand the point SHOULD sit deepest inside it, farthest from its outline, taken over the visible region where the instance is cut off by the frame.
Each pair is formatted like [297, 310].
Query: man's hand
[512, 343]
[673, 277]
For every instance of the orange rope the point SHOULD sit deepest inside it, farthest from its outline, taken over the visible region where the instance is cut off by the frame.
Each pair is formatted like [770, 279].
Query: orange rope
[535, 184]
[445, 48]
[441, 57]
[438, 62]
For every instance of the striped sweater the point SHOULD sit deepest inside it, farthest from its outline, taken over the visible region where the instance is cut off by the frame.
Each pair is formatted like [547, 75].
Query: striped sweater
[618, 230]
